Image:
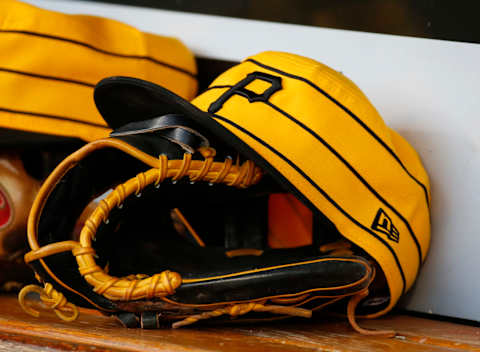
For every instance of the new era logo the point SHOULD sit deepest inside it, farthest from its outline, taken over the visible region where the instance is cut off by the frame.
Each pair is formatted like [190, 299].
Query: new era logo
[384, 224]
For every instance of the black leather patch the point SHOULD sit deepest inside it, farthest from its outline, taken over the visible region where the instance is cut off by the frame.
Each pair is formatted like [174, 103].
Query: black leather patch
[149, 320]
[333, 276]
[246, 224]
[239, 88]
[128, 320]
[174, 127]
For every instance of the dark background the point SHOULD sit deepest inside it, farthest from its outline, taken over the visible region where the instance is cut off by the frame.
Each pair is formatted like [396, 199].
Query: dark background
[438, 19]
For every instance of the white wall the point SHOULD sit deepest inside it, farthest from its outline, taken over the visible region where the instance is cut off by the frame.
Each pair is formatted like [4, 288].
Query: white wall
[428, 90]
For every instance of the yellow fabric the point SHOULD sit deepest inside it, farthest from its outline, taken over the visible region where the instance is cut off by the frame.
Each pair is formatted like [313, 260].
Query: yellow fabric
[331, 144]
[42, 52]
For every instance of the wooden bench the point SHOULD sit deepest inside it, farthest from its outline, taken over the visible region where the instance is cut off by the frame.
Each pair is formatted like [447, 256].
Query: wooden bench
[94, 332]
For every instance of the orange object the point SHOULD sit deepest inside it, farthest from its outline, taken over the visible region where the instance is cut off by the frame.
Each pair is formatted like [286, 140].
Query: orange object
[289, 222]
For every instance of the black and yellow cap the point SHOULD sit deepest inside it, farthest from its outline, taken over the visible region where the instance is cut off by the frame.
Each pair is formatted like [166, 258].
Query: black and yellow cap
[50, 62]
[317, 134]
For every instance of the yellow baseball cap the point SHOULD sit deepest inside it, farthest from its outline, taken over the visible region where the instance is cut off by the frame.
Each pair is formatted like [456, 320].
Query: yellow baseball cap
[50, 62]
[317, 134]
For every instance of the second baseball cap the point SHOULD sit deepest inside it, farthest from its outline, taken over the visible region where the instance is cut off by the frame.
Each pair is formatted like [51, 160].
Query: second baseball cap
[50, 62]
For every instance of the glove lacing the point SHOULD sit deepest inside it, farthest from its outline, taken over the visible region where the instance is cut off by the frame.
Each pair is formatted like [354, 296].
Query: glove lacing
[244, 308]
[52, 299]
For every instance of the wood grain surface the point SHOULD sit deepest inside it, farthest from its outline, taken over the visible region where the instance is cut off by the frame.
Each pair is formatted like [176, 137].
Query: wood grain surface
[94, 332]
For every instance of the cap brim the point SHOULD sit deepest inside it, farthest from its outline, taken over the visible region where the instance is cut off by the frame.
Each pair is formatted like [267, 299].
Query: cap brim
[121, 100]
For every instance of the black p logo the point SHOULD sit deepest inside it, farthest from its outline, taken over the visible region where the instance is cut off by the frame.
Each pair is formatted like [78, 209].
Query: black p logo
[384, 224]
[239, 88]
